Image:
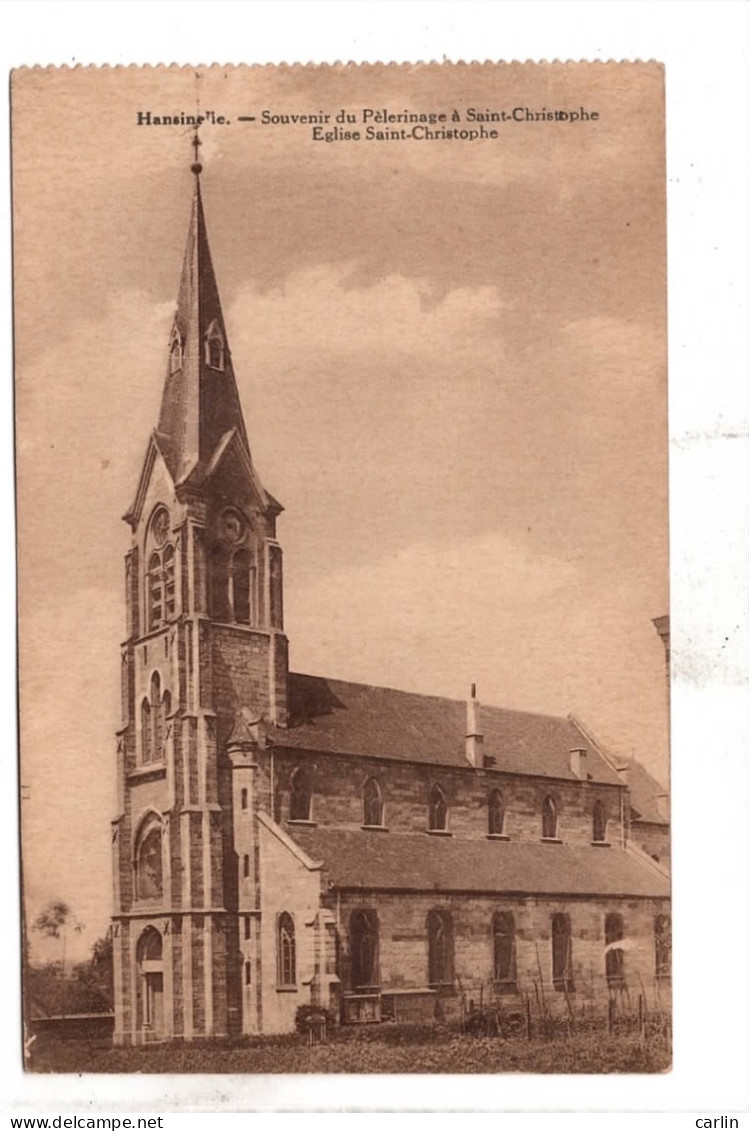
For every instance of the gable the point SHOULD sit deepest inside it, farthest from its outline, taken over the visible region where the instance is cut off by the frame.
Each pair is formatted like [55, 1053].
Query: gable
[155, 484]
[231, 473]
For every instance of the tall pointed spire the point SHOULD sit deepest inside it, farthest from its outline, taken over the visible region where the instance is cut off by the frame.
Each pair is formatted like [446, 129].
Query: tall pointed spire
[200, 403]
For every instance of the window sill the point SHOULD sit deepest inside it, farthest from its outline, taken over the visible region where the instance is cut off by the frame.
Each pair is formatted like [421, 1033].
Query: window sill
[406, 991]
[601, 843]
[438, 832]
[237, 624]
[375, 828]
[157, 769]
[155, 631]
[497, 836]
[300, 821]
[550, 840]
[287, 989]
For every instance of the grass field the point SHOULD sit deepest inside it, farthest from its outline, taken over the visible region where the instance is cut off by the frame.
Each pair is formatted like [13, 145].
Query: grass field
[394, 1049]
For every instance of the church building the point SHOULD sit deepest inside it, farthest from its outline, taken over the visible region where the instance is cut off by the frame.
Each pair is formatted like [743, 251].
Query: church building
[286, 840]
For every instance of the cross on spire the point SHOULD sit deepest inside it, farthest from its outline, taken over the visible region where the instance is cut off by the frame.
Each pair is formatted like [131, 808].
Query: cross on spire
[196, 143]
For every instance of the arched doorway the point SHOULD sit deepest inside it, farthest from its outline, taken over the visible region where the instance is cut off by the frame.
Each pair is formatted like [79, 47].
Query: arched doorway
[150, 957]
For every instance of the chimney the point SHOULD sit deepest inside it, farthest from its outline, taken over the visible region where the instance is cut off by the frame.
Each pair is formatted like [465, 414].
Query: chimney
[663, 805]
[578, 763]
[474, 737]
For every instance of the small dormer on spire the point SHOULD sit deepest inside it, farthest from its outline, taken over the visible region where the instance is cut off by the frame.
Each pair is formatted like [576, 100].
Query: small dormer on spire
[200, 404]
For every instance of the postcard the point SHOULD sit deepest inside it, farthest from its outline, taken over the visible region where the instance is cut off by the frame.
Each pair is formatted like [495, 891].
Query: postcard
[343, 568]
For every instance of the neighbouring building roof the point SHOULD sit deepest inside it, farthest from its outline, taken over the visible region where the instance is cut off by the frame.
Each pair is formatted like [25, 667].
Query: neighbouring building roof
[420, 862]
[353, 718]
[644, 791]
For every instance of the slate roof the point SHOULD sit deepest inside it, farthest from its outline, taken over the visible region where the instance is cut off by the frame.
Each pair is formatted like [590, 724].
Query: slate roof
[198, 406]
[354, 718]
[354, 858]
[644, 790]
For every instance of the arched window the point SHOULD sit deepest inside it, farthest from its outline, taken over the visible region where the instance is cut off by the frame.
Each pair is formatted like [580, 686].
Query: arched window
[150, 946]
[662, 932]
[372, 802]
[240, 568]
[146, 735]
[286, 951]
[157, 719]
[154, 588]
[614, 932]
[301, 795]
[149, 870]
[245, 867]
[549, 819]
[220, 584]
[243, 799]
[599, 821]
[364, 934]
[496, 813]
[168, 564]
[441, 955]
[561, 952]
[248, 973]
[505, 963]
[214, 346]
[159, 588]
[437, 810]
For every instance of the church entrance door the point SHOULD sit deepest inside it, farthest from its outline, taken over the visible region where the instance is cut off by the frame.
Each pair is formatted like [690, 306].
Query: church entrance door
[151, 995]
[153, 1013]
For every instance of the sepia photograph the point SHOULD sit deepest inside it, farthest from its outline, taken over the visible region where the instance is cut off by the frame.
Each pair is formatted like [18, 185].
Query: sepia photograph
[344, 638]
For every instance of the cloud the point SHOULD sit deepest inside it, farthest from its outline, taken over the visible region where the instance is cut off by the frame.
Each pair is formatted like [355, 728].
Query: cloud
[322, 309]
[529, 628]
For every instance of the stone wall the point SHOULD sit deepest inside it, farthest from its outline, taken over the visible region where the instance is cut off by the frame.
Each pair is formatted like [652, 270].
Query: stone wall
[339, 782]
[287, 885]
[404, 949]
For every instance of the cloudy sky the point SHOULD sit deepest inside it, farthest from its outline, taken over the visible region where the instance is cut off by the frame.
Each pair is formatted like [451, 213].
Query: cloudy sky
[451, 358]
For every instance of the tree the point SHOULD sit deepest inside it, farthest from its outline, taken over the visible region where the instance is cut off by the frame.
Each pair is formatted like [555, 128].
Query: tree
[53, 923]
[94, 980]
[89, 988]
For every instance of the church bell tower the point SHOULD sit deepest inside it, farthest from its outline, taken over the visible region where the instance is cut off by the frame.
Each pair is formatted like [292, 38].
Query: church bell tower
[204, 674]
